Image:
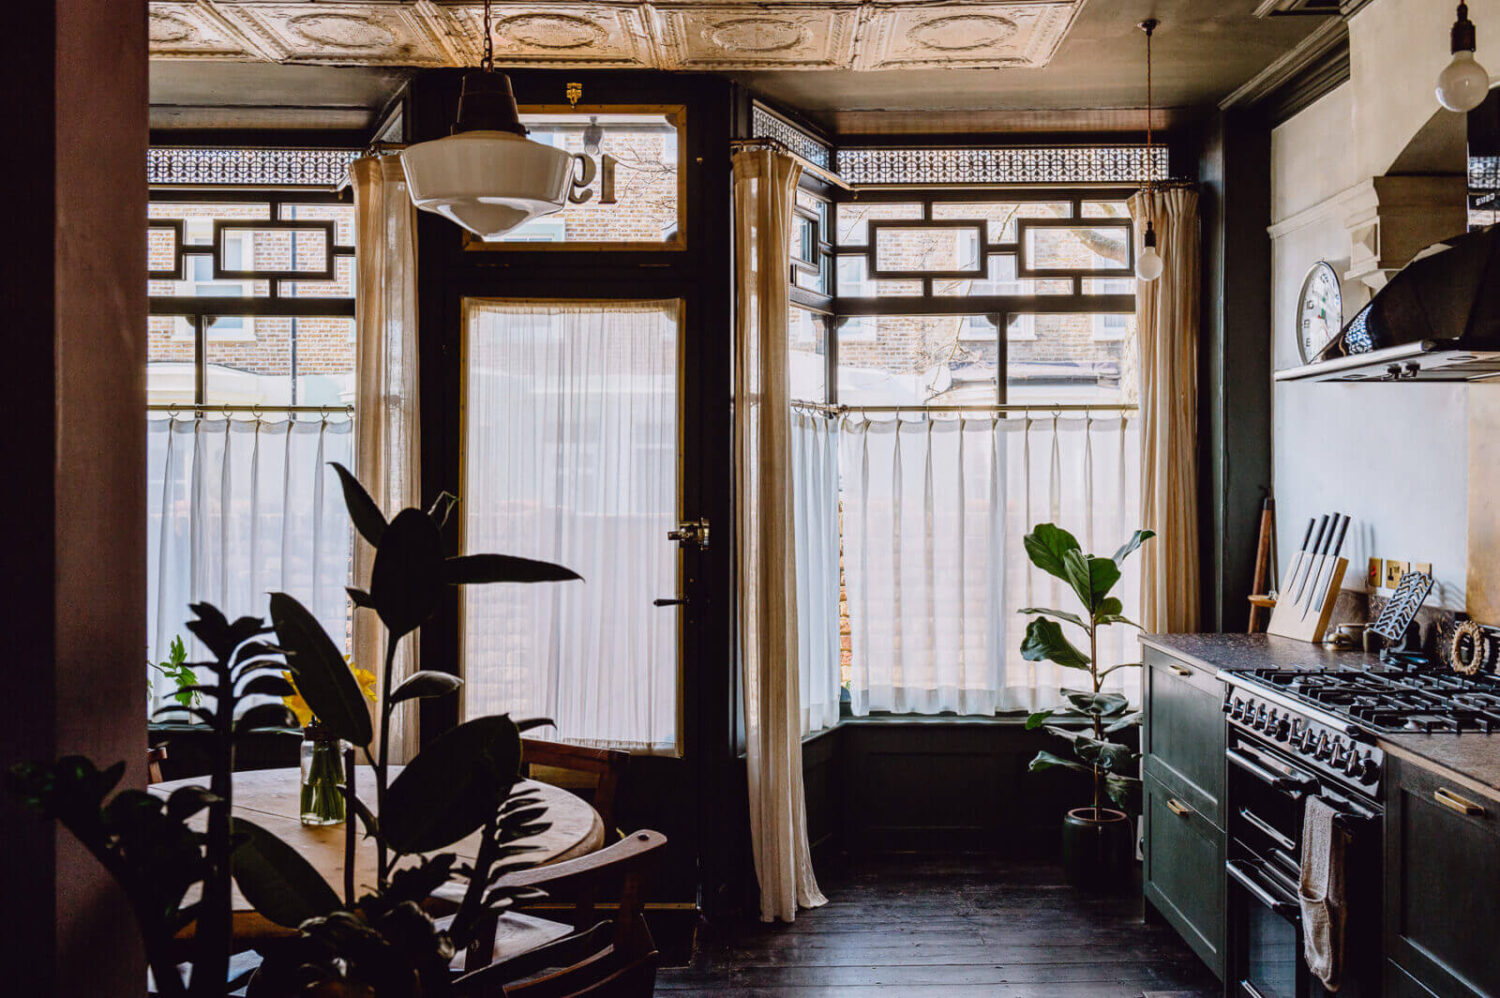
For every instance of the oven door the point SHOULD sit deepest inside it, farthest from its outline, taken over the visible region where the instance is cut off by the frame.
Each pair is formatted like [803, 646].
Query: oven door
[1265, 923]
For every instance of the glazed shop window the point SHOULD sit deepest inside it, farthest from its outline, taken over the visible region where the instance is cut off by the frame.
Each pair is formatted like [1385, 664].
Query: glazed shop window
[628, 181]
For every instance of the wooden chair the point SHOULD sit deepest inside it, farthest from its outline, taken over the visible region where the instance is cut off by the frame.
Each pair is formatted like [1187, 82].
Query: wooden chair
[614, 958]
[155, 756]
[607, 766]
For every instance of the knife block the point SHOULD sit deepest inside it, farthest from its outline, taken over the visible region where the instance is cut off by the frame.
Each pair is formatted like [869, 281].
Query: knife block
[1288, 620]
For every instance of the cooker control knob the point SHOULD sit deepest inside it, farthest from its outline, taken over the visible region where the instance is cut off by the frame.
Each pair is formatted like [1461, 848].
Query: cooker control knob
[1306, 742]
[1260, 718]
[1325, 747]
[1354, 764]
[1283, 729]
[1369, 770]
[1238, 710]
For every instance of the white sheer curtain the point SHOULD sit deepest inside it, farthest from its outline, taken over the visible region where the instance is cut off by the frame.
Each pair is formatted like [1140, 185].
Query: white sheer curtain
[815, 492]
[386, 404]
[239, 508]
[570, 455]
[935, 511]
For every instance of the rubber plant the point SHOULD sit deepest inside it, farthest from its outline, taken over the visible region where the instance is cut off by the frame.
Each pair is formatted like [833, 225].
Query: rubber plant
[379, 944]
[1110, 764]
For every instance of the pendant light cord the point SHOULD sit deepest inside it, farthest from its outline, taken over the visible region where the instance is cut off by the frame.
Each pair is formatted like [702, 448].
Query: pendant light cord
[488, 62]
[1148, 27]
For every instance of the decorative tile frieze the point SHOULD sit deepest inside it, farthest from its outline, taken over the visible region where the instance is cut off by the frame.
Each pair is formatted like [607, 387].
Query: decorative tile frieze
[766, 124]
[201, 166]
[1005, 165]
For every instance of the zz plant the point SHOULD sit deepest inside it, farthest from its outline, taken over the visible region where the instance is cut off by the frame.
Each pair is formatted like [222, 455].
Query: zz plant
[381, 943]
[1110, 764]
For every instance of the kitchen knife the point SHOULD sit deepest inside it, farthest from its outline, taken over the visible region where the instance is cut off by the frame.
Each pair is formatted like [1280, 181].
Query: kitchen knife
[1291, 577]
[1312, 557]
[1320, 588]
[1315, 571]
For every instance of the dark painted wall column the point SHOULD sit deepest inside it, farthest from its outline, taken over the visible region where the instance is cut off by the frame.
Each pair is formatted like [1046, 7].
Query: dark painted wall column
[71, 576]
[1235, 396]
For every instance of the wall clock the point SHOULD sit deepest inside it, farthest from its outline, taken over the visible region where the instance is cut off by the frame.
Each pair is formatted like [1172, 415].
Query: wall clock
[1320, 311]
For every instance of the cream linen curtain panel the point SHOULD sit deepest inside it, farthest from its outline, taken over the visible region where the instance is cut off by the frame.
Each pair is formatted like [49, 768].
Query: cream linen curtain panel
[765, 185]
[1166, 312]
[386, 451]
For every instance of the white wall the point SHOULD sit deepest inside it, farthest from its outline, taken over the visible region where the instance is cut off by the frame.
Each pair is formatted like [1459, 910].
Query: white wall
[1393, 457]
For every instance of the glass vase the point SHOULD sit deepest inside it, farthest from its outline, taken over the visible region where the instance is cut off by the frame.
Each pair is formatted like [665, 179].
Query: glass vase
[322, 772]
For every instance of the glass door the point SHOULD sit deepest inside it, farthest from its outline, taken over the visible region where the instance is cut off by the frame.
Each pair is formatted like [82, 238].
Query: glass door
[571, 454]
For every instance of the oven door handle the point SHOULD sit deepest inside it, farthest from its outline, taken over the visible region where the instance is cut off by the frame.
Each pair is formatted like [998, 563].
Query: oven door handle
[1286, 784]
[1265, 828]
[1241, 871]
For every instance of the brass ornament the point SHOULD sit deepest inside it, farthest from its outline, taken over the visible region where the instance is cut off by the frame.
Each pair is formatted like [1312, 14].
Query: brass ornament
[574, 92]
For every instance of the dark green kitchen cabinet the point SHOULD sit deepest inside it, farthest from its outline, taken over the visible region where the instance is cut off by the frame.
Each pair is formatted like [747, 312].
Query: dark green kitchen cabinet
[1183, 738]
[1442, 886]
[1184, 844]
[1184, 871]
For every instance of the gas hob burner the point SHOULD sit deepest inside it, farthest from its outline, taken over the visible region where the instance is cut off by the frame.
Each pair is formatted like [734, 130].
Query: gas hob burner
[1404, 699]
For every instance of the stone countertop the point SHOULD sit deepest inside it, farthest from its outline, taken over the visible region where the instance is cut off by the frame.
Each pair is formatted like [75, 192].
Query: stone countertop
[1471, 759]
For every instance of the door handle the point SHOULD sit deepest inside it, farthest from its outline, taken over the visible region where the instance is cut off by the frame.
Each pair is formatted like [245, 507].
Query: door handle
[1181, 670]
[1178, 808]
[1287, 783]
[1454, 802]
[671, 601]
[694, 532]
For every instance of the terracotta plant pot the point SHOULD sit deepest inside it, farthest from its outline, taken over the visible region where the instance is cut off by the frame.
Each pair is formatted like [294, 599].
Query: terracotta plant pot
[1097, 849]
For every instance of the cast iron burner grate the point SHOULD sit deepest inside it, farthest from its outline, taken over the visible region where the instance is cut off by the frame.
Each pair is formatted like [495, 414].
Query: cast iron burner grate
[1396, 699]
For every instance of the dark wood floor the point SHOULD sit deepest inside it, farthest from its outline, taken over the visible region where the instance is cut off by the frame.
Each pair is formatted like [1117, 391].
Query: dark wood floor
[949, 929]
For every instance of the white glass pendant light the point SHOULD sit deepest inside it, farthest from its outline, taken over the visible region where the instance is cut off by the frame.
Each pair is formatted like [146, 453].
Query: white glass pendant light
[487, 176]
[1463, 85]
[1148, 265]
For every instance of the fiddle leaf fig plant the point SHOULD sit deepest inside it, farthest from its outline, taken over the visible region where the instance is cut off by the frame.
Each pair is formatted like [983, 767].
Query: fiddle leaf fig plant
[1087, 717]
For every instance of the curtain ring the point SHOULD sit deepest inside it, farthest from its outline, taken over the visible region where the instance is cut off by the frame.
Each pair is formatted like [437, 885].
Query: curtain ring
[172, 413]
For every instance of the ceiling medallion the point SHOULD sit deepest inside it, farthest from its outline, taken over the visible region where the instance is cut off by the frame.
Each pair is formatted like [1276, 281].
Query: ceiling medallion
[962, 32]
[343, 31]
[552, 31]
[759, 35]
[166, 29]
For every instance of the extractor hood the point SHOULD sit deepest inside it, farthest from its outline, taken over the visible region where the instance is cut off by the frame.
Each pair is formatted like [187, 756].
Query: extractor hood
[1438, 319]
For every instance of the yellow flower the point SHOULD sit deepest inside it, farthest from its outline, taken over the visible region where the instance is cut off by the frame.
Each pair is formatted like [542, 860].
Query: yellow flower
[366, 680]
[298, 706]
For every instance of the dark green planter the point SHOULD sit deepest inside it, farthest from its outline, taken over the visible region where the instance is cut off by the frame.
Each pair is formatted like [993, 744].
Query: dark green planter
[1098, 854]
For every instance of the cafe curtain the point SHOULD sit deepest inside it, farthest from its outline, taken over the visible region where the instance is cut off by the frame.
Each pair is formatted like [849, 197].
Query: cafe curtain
[387, 455]
[815, 490]
[238, 508]
[765, 184]
[1166, 312]
[935, 514]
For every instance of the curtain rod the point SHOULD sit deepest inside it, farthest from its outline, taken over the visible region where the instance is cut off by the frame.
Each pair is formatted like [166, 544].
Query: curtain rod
[268, 410]
[1009, 407]
[766, 142]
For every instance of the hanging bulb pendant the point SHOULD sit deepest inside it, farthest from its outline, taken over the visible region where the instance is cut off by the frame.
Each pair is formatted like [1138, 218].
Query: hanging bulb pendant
[1464, 83]
[1148, 266]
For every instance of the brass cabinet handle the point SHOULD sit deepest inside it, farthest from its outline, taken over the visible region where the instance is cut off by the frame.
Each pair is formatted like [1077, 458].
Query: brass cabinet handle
[1181, 670]
[1178, 808]
[1454, 802]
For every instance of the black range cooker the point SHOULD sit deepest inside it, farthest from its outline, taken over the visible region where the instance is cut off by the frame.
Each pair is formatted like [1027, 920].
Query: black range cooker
[1296, 734]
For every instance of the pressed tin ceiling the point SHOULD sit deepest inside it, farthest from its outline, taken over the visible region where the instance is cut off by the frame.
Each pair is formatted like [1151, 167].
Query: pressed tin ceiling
[670, 34]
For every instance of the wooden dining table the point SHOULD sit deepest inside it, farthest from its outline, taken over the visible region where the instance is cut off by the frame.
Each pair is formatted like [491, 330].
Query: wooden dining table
[272, 799]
